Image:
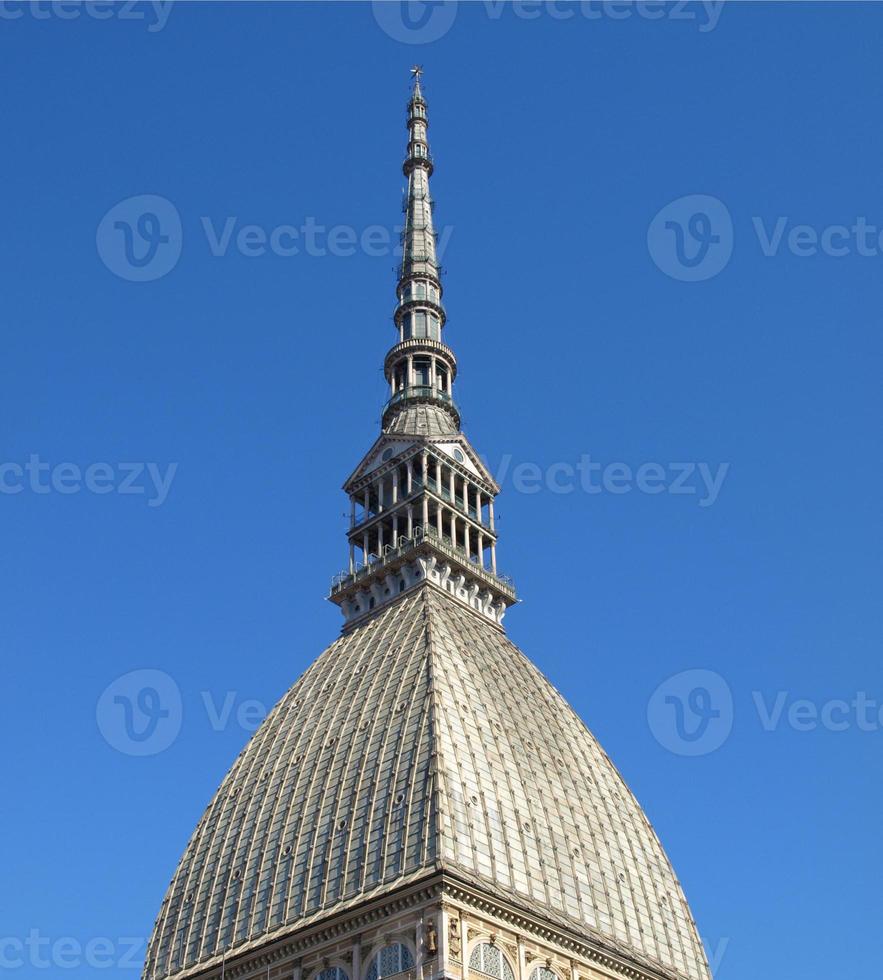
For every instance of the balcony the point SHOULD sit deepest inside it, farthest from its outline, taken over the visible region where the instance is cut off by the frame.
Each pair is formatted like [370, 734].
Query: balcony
[407, 546]
[422, 393]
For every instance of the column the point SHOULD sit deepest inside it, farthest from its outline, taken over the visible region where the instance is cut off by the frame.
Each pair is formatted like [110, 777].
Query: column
[410, 521]
[424, 466]
[352, 557]
[395, 486]
[380, 496]
[357, 958]
[365, 548]
[453, 488]
[367, 502]
[410, 380]
[438, 521]
[481, 549]
[454, 528]
[380, 539]
[441, 958]
[352, 511]
[490, 507]
[433, 380]
[466, 534]
[395, 530]
[418, 945]
[425, 513]
[409, 471]
[494, 557]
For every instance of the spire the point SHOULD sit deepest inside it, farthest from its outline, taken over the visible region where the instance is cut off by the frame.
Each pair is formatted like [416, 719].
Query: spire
[420, 368]
[421, 501]
[418, 239]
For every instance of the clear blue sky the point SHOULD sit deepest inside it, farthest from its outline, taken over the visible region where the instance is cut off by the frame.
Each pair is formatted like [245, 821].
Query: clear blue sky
[557, 141]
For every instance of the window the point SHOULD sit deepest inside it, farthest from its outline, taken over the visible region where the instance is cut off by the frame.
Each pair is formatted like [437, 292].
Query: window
[421, 371]
[332, 973]
[432, 329]
[488, 959]
[387, 454]
[391, 960]
[543, 973]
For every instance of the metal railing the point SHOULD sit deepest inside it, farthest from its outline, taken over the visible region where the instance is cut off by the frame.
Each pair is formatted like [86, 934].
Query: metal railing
[418, 392]
[405, 545]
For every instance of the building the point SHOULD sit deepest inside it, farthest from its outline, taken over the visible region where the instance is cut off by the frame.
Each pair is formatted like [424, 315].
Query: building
[423, 804]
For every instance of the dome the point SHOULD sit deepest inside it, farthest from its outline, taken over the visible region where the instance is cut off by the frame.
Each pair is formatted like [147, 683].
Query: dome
[423, 742]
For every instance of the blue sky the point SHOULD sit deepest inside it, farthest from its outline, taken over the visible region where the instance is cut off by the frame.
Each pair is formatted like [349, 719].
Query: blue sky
[657, 250]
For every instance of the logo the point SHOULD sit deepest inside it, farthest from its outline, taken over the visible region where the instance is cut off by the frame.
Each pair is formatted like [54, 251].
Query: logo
[415, 21]
[140, 239]
[140, 713]
[691, 714]
[691, 239]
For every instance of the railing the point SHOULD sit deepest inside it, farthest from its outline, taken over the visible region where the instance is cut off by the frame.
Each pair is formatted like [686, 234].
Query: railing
[419, 391]
[405, 545]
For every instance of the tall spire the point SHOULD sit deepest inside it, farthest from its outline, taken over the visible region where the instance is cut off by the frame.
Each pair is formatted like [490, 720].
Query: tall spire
[422, 501]
[420, 368]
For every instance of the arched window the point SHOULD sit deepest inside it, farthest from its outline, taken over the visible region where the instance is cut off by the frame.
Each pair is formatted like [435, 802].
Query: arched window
[488, 959]
[543, 973]
[391, 960]
[332, 973]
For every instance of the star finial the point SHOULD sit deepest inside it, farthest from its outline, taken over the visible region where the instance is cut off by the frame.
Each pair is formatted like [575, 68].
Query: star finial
[417, 71]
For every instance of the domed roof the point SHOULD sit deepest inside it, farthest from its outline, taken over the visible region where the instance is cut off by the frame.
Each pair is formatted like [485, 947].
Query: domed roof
[422, 420]
[423, 740]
